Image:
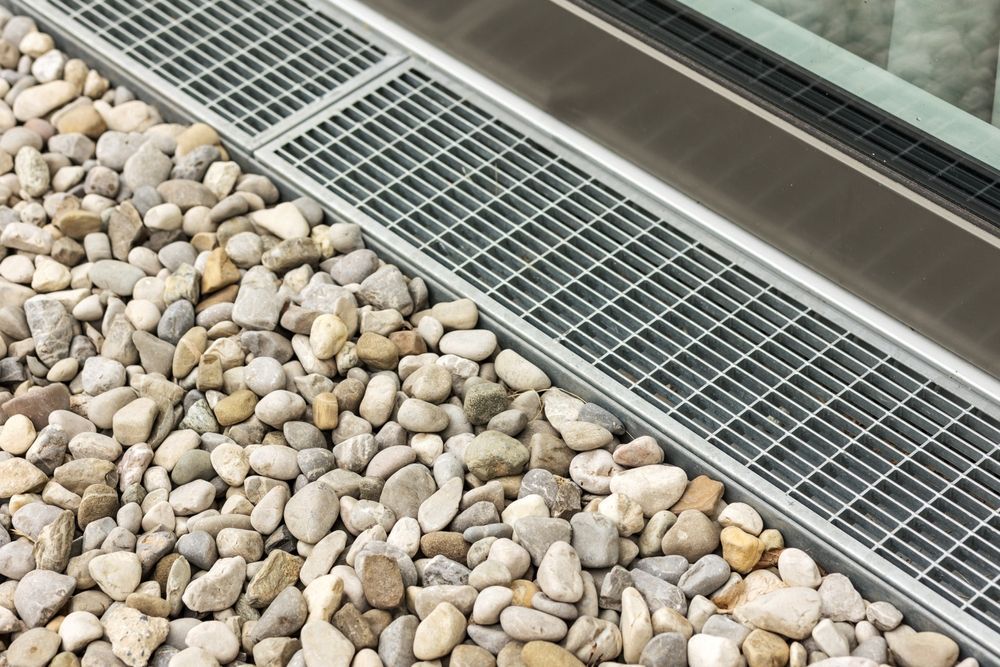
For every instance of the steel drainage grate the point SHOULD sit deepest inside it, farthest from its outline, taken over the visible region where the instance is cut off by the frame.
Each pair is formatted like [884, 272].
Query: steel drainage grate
[253, 62]
[881, 451]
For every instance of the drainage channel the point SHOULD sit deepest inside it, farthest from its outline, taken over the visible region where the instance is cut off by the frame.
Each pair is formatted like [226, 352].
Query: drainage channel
[887, 474]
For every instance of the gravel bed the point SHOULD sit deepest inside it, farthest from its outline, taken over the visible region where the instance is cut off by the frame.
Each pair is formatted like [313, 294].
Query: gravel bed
[233, 435]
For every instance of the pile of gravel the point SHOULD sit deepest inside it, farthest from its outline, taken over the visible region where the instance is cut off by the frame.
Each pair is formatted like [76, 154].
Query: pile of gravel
[234, 435]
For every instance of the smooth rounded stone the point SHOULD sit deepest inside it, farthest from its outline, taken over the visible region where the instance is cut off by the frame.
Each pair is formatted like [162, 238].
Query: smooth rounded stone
[743, 517]
[284, 221]
[792, 612]
[829, 640]
[386, 289]
[32, 171]
[33, 648]
[19, 476]
[216, 638]
[926, 649]
[582, 436]
[709, 651]
[489, 603]
[559, 573]
[199, 548]
[430, 382]
[278, 407]
[720, 625]
[840, 601]
[264, 375]
[655, 488]
[40, 594]
[511, 422]
[537, 533]
[518, 373]
[525, 625]
[395, 644]
[191, 498]
[17, 559]
[439, 632]
[797, 568]
[492, 454]
[564, 610]
[219, 588]
[593, 471]
[419, 416]
[693, 535]
[665, 650]
[311, 512]
[284, 616]
[741, 550]
[388, 461]
[765, 649]
[78, 629]
[37, 101]
[240, 542]
[275, 461]
[439, 509]
[115, 276]
[16, 435]
[706, 575]
[406, 490]
[474, 344]
[636, 625]
[883, 615]
[547, 654]
[327, 336]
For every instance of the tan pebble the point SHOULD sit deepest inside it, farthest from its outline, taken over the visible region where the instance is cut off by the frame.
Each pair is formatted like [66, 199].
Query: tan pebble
[740, 549]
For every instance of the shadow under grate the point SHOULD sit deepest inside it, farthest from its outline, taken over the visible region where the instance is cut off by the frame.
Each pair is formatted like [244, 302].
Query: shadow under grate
[881, 451]
[253, 62]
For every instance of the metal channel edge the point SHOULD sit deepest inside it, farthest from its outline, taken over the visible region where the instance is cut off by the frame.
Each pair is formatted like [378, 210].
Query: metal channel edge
[875, 577]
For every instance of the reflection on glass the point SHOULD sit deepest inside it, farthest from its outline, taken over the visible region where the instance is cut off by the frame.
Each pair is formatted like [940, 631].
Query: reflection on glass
[930, 63]
[948, 49]
[860, 26]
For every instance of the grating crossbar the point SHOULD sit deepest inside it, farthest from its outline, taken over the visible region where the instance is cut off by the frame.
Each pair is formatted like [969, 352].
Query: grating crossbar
[253, 62]
[881, 451]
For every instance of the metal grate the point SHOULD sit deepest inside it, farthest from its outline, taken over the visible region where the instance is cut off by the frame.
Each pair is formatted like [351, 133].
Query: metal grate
[884, 453]
[253, 62]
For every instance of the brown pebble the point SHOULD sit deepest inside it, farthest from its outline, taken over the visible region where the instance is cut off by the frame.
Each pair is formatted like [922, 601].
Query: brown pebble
[325, 410]
[382, 582]
[702, 494]
[547, 654]
[467, 655]
[38, 404]
[150, 605]
[162, 570]
[350, 622]
[377, 351]
[524, 590]
[408, 342]
[450, 545]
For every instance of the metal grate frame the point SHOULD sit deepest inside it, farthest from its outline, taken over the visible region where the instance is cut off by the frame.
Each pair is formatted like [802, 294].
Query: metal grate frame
[880, 451]
[262, 65]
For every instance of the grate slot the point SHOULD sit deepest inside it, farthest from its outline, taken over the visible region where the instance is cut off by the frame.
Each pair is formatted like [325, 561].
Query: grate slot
[881, 451]
[255, 63]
